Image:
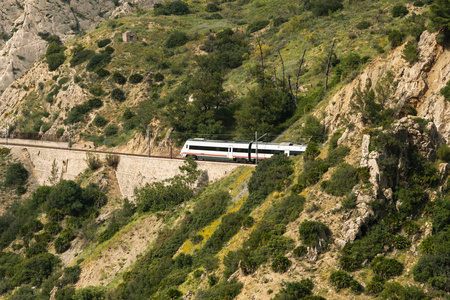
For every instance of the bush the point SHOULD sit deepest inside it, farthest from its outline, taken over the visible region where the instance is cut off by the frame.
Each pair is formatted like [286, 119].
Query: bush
[342, 181]
[100, 121]
[136, 78]
[118, 95]
[363, 25]
[111, 130]
[96, 90]
[349, 202]
[399, 11]
[258, 25]
[341, 280]
[102, 73]
[313, 130]
[176, 38]
[300, 251]
[98, 61]
[212, 7]
[312, 232]
[323, 7]
[281, 264]
[386, 267]
[54, 56]
[172, 8]
[296, 290]
[443, 153]
[103, 43]
[278, 21]
[395, 37]
[81, 57]
[60, 132]
[112, 160]
[119, 78]
[16, 174]
[158, 77]
[93, 161]
[71, 275]
[53, 228]
[410, 52]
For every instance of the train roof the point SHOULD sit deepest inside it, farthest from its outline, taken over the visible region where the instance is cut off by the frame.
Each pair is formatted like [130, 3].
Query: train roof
[245, 142]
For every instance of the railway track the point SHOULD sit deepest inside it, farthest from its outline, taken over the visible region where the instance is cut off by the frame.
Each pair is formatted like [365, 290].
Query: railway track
[109, 152]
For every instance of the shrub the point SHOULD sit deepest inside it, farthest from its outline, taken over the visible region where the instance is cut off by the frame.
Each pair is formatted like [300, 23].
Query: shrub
[96, 90]
[118, 95]
[176, 38]
[171, 8]
[98, 61]
[342, 181]
[295, 290]
[103, 43]
[300, 251]
[158, 77]
[71, 275]
[119, 78]
[65, 293]
[16, 174]
[257, 25]
[324, 7]
[386, 267]
[313, 130]
[443, 153]
[395, 37]
[112, 160]
[400, 242]
[60, 132]
[278, 21]
[81, 57]
[410, 52]
[93, 161]
[100, 121]
[53, 228]
[109, 50]
[136, 78]
[336, 156]
[312, 232]
[281, 264]
[111, 130]
[212, 7]
[363, 25]
[445, 91]
[311, 152]
[54, 56]
[349, 202]
[399, 11]
[341, 280]
[102, 73]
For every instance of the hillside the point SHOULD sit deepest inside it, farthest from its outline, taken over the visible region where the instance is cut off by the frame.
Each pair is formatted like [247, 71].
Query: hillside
[362, 214]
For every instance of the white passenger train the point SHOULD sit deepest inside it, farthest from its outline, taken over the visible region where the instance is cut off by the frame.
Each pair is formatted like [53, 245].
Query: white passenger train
[239, 151]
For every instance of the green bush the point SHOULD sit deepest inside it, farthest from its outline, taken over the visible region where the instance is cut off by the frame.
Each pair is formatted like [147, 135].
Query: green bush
[278, 21]
[313, 130]
[102, 73]
[103, 43]
[118, 95]
[311, 232]
[100, 121]
[443, 153]
[363, 25]
[16, 174]
[119, 78]
[111, 130]
[71, 275]
[349, 202]
[177, 38]
[341, 280]
[395, 37]
[65, 293]
[296, 290]
[158, 77]
[136, 78]
[281, 264]
[53, 228]
[93, 161]
[81, 57]
[323, 7]
[98, 61]
[212, 7]
[336, 156]
[399, 11]
[55, 56]
[300, 251]
[386, 267]
[60, 132]
[257, 25]
[410, 53]
[342, 181]
[96, 90]
[171, 8]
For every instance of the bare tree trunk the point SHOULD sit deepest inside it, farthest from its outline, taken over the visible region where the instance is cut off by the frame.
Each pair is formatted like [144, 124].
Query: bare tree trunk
[328, 66]
[298, 75]
[282, 67]
[258, 40]
[275, 78]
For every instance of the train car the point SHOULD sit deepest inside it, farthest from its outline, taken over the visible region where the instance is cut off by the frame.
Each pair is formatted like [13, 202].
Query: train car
[239, 151]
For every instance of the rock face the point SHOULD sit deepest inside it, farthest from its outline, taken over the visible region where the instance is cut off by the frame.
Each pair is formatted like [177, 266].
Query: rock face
[22, 20]
[417, 86]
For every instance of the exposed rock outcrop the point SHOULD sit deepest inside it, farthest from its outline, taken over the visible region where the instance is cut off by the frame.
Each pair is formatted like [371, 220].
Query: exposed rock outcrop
[417, 86]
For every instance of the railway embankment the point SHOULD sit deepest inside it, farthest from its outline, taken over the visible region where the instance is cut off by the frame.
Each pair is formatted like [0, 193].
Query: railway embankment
[47, 160]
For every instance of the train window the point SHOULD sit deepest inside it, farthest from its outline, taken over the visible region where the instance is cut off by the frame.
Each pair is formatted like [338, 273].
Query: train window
[245, 150]
[206, 148]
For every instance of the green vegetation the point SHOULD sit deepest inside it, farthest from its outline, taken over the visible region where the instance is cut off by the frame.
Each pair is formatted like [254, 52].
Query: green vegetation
[171, 8]
[103, 43]
[314, 234]
[176, 39]
[55, 56]
[342, 280]
[76, 114]
[16, 174]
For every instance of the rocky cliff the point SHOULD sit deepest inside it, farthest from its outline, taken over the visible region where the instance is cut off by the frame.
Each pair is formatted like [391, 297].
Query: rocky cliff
[22, 21]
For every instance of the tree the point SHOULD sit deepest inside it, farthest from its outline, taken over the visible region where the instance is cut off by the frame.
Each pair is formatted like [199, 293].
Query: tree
[440, 16]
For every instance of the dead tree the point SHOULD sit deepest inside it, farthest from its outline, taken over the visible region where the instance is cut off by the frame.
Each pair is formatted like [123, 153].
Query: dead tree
[282, 68]
[295, 95]
[328, 66]
[258, 40]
